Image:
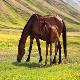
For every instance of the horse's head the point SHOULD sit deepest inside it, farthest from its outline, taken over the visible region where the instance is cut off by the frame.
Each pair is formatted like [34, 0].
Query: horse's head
[21, 51]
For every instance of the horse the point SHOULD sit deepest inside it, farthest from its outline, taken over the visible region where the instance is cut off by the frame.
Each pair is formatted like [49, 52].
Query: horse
[37, 27]
[50, 32]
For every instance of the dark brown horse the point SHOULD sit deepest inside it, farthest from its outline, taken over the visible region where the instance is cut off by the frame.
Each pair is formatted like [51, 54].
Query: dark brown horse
[47, 28]
[51, 35]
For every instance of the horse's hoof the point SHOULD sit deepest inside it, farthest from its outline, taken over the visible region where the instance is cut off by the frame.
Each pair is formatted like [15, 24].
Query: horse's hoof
[59, 62]
[18, 60]
[54, 62]
[50, 63]
[45, 62]
[27, 60]
[40, 60]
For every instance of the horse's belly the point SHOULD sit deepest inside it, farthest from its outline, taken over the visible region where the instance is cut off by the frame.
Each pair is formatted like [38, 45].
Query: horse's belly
[41, 37]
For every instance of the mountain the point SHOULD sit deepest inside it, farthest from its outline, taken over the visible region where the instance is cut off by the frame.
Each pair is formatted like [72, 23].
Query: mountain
[65, 8]
[73, 3]
[15, 13]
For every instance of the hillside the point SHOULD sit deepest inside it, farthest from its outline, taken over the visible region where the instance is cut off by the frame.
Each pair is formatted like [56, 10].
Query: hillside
[73, 3]
[15, 13]
[66, 8]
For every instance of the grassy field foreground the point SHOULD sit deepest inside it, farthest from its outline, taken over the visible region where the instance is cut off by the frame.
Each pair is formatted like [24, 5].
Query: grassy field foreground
[34, 71]
[11, 70]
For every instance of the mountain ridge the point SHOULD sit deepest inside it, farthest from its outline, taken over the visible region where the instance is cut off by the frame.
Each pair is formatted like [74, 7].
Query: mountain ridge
[15, 13]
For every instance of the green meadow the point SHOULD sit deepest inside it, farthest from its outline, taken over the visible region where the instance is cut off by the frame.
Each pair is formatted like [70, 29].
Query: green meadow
[11, 70]
[14, 14]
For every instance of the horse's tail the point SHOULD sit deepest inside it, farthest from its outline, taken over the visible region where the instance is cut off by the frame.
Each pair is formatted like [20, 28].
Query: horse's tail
[24, 35]
[64, 39]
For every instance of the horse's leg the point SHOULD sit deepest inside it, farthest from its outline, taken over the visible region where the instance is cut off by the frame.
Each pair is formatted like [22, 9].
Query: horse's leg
[56, 50]
[47, 45]
[59, 45]
[50, 53]
[39, 49]
[30, 48]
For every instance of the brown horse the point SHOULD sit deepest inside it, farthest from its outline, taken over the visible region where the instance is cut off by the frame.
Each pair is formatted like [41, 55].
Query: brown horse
[47, 28]
[51, 35]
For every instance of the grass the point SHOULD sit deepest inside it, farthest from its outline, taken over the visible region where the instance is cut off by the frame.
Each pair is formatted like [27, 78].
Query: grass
[12, 17]
[37, 5]
[11, 70]
[34, 71]
[72, 26]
